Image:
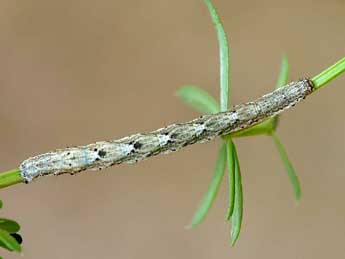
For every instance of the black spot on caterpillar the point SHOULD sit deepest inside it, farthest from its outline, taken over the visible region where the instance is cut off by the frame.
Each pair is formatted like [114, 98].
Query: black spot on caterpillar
[102, 153]
[137, 145]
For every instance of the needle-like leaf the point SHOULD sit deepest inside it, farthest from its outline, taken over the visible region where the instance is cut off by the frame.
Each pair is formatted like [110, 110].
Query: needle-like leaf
[231, 174]
[289, 168]
[213, 188]
[224, 56]
[236, 219]
[198, 99]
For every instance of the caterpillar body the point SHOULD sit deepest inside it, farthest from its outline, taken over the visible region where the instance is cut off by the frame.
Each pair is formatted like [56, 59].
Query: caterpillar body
[139, 146]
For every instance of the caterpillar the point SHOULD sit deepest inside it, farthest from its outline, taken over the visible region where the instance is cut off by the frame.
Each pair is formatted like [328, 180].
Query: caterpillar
[139, 146]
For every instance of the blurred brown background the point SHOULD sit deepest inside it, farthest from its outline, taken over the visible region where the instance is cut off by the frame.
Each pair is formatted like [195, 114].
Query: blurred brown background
[74, 72]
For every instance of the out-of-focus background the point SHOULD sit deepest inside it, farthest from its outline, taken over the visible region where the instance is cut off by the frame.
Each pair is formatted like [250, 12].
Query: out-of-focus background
[74, 72]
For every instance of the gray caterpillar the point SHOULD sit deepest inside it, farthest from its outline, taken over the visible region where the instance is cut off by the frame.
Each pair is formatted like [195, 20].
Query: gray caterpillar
[139, 146]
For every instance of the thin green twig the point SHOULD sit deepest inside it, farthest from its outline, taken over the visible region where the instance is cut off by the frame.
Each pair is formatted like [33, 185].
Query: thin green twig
[329, 74]
[10, 178]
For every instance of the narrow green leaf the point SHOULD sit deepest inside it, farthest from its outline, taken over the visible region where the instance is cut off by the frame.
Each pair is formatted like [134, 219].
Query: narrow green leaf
[1, 204]
[198, 99]
[9, 225]
[284, 72]
[231, 174]
[289, 168]
[213, 188]
[224, 56]
[9, 242]
[236, 220]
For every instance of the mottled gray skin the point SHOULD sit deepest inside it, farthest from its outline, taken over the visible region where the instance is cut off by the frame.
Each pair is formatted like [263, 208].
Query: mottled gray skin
[171, 138]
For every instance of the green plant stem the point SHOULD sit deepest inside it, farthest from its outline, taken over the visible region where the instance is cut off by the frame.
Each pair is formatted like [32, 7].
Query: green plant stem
[329, 74]
[10, 178]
